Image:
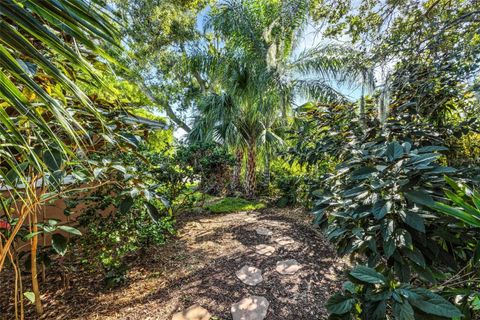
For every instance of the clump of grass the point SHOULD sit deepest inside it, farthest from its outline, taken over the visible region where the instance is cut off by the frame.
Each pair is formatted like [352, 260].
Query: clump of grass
[229, 204]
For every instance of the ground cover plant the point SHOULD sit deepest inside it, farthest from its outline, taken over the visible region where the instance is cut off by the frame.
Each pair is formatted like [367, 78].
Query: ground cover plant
[228, 204]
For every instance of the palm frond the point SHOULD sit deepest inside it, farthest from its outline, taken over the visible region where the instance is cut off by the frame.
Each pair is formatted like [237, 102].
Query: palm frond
[319, 90]
[48, 40]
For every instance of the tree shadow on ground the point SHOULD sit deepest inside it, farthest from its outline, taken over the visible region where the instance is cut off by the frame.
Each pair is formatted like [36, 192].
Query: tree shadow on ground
[199, 268]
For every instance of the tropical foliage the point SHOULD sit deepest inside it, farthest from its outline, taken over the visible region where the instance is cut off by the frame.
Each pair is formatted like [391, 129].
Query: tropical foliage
[124, 115]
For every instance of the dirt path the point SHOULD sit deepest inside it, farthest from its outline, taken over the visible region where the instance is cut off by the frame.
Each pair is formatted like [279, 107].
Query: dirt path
[199, 268]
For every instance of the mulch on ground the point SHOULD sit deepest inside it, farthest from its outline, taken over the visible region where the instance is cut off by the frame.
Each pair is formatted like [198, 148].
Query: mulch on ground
[199, 266]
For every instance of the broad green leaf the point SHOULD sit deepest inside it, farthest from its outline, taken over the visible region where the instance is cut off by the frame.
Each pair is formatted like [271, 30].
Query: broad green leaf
[434, 304]
[381, 208]
[403, 311]
[70, 230]
[59, 243]
[339, 304]
[389, 247]
[415, 221]
[125, 205]
[30, 296]
[378, 311]
[363, 173]
[348, 286]
[394, 151]
[407, 146]
[442, 170]
[387, 228]
[432, 149]
[53, 158]
[354, 192]
[153, 212]
[368, 275]
[423, 159]
[420, 197]
[416, 256]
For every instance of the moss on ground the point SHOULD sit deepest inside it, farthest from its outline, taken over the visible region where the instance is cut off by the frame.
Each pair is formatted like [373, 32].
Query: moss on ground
[229, 204]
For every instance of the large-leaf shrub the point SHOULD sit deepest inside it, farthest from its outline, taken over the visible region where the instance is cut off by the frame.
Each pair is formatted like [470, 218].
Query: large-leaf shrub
[369, 294]
[371, 208]
[375, 207]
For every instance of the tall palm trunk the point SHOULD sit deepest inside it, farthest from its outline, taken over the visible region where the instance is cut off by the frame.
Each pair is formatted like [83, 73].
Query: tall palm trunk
[266, 172]
[237, 170]
[250, 177]
[383, 103]
[362, 105]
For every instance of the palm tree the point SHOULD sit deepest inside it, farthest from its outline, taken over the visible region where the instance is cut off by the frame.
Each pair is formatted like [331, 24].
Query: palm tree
[261, 78]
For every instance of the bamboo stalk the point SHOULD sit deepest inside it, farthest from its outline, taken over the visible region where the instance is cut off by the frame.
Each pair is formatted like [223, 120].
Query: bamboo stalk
[15, 296]
[34, 272]
[44, 244]
[22, 313]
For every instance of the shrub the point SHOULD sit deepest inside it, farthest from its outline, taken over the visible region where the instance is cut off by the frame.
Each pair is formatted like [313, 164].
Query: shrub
[369, 294]
[111, 236]
[375, 207]
[210, 163]
[289, 181]
[371, 208]
[133, 212]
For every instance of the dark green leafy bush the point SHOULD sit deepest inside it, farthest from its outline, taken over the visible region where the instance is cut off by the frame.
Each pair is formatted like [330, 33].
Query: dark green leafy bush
[112, 235]
[369, 294]
[288, 185]
[376, 207]
[130, 214]
[289, 181]
[370, 204]
[210, 163]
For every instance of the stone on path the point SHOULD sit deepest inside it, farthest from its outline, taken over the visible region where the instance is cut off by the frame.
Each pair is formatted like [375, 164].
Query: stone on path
[250, 275]
[195, 312]
[263, 231]
[264, 249]
[290, 266]
[283, 241]
[250, 308]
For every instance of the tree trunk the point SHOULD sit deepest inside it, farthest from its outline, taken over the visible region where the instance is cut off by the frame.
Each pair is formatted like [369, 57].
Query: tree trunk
[362, 105]
[250, 177]
[237, 170]
[168, 108]
[383, 103]
[266, 173]
[382, 108]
